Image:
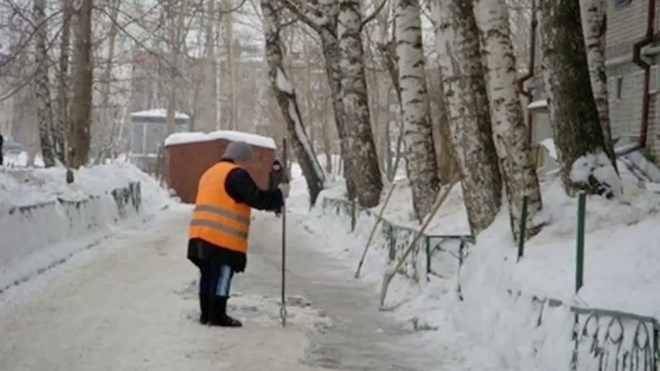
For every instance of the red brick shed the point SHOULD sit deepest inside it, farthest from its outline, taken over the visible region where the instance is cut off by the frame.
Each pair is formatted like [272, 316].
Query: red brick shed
[189, 155]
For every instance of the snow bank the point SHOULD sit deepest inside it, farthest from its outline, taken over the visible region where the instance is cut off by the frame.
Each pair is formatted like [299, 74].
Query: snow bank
[40, 213]
[194, 137]
[524, 310]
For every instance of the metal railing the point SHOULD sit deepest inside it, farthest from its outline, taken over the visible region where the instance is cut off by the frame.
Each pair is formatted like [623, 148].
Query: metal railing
[603, 340]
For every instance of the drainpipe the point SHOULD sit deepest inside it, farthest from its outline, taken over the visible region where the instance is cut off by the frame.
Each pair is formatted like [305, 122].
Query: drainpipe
[530, 71]
[637, 59]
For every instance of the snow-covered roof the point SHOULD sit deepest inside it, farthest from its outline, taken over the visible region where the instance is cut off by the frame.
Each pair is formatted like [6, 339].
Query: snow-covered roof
[159, 112]
[541, 103]
[234, 136]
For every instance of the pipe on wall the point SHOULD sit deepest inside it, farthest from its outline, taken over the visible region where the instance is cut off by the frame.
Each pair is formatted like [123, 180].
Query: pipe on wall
[637, 59]
[530, 71]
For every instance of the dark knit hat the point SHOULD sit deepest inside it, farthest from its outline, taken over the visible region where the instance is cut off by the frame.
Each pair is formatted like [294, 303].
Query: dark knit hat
[238, 151]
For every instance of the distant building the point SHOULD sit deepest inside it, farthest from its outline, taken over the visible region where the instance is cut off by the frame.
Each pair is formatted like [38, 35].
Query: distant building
[148, 133]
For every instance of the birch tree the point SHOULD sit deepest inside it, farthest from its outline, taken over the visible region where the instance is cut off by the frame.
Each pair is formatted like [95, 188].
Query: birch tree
[463, 80]
[41, 84]
[421, 163]
[356, 103]
[578, 136]
[82, 86]
[509, 130]
[594, 23]
[62, 107]
[286, 99]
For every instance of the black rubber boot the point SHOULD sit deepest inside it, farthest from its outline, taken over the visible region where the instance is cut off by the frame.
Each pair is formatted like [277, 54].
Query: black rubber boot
[218, 314]
[204, 307]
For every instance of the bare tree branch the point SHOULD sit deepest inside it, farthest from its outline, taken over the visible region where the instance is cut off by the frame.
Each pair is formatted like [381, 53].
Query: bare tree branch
[373, 15]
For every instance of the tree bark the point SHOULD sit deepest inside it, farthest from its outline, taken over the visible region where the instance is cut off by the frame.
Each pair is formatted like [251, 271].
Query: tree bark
[42, 85]
[594, 23]
[106, 128]
[211, 81]
[62, 106]
[509, 130]
[462, 72]
[578, 136]
[286, 98]
[421, 163]
[82, 99]
[356, 105]
[330, 45]
[175, 20]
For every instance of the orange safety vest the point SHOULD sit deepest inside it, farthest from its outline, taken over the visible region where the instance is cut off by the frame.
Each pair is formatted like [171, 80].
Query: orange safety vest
[217, 218]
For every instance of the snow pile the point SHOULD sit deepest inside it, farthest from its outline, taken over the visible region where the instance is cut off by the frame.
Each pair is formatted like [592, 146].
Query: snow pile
[522, 310]
[39, 211]
[596, 168]
[234, 136]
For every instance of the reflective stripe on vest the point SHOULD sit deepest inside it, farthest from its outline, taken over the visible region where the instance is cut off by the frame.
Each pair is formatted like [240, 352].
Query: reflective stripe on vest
[217, 218]
[220, 226]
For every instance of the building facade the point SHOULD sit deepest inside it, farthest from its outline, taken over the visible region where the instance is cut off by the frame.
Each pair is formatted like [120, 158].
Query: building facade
[626, 26]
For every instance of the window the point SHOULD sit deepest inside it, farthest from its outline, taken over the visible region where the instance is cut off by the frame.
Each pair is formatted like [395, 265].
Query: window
[620, 3]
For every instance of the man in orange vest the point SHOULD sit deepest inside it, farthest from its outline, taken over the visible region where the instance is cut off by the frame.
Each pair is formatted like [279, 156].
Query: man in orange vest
[220, 225]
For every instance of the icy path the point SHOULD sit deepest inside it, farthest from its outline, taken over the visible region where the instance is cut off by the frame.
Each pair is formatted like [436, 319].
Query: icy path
[130, 304]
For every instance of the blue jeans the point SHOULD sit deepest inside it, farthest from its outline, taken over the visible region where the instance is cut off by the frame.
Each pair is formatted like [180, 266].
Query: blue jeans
[215, 279]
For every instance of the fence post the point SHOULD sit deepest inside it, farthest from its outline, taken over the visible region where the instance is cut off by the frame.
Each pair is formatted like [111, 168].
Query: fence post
[523, 228]
[579, 258]
[392, 242]
[428, 254]
[352, 215]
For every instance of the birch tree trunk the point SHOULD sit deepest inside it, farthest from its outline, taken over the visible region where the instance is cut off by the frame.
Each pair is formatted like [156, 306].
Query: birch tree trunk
[468, 113]
[421, 163]
[286, 99]
[210, 83]
[330, 44]
[323, 20]
[594, 23]
[173, 19]
[82, 99]
[356, 104]
[42, 86]
[106, 130]
[509, 130]
[578, 136]
[62, 113]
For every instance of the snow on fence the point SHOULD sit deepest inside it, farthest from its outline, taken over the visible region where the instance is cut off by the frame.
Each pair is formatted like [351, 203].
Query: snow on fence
[601, 339]
[27, 250]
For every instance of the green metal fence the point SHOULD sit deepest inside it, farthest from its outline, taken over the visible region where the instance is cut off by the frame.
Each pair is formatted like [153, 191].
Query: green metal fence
[603, 340]
[440, 255]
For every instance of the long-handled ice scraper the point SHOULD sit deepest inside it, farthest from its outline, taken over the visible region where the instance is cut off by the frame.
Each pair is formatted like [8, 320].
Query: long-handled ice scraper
[283, 303]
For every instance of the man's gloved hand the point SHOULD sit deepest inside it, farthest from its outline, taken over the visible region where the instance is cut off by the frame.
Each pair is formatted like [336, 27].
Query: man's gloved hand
[284, 187]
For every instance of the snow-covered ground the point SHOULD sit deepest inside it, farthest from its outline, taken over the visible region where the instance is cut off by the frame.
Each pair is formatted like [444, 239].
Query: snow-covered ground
[131, 300]
[44, 220]
[505, 302]
[130, 303]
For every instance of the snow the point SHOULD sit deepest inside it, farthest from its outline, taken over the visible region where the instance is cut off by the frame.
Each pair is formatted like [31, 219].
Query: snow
[520, 310]
[283, 82]
[234, 136]
[599, 166]
[542, 103]
[40, 212]
[549, 145]
[159, 112]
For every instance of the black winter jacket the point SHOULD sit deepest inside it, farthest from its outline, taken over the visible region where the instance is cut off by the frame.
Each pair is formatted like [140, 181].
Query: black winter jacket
[240, 187]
